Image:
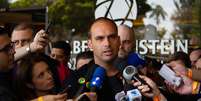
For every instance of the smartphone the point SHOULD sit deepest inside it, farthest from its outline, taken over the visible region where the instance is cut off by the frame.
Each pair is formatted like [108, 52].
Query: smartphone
[47, 28]
[169, 75]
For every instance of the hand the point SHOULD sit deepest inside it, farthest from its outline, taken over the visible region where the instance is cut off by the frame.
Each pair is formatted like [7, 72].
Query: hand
[91, 95]
[178, 67]
[58, 97]
[145, 90]
[185, 88]
[40, 41]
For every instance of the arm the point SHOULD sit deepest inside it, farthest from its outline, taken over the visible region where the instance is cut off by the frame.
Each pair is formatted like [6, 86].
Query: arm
[155, 93]
[58, 97]
[196, 74]
[39, 43]
[189, 86]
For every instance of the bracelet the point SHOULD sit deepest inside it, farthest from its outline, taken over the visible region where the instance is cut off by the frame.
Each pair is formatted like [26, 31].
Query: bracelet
[40, 98]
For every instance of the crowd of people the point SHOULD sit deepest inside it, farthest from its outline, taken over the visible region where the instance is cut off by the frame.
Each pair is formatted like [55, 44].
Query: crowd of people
[28, 74]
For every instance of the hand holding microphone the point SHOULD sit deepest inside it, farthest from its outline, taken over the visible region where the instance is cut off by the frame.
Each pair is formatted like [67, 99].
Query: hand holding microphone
[130, 73]
[145, 90]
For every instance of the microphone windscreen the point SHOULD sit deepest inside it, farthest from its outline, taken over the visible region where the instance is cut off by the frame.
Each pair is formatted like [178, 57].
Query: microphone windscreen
[121, 96]
[98, 77]
[136, 60]
[129, 72]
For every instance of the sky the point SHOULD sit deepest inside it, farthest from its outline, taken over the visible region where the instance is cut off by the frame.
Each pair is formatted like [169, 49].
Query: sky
[12, 1]
[169, 8]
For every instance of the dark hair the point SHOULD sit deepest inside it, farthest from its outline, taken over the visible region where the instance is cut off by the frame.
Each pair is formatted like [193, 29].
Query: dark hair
[24, 26]
[3, 31]
[85, 55]
[62, 45]
[183, 57]
[102, 19]
[24, 74]
[196, 49]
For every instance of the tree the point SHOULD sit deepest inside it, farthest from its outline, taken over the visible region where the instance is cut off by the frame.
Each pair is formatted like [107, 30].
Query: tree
[27, 3]
[158, 13]
[142, 7]
[188, 24]
[71, 15]
[64, 15]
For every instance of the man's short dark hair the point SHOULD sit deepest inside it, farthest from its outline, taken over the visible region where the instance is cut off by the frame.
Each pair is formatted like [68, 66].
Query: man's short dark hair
[62, 45]
[23, 26]
[3, 31]
[102, 19]
[183, 57]
[85, 55]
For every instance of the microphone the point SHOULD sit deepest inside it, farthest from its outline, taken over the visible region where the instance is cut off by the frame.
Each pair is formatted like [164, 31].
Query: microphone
[131, 95]
[130, 73]
[97, 79]
[94, 84]
[135, 60]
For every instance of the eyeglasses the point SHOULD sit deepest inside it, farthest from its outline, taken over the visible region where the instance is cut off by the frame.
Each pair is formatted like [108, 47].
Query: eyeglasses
[8, 48]
[22, 42]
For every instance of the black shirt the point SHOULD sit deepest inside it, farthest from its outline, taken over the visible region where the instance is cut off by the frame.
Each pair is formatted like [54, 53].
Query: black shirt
[111, 85]
[6, 87]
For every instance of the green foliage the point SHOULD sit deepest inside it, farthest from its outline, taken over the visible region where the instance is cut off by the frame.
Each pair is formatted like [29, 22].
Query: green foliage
[27, 3]
[67, 14]
[72, 13]
[3, 1]
[3, 4]
[191, 24]
[158, 12]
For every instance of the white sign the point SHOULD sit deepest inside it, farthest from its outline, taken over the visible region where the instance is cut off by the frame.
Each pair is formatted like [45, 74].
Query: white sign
[163, 46]
[121, 11]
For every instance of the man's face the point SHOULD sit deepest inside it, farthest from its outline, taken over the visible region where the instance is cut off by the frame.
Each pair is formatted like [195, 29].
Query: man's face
[21, 37]
[58, 54]
[6, 52]
[127, 41]
[104, 42]
[194, 56]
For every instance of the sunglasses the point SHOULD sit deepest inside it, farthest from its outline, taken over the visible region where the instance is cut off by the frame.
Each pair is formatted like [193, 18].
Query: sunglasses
[8, 48]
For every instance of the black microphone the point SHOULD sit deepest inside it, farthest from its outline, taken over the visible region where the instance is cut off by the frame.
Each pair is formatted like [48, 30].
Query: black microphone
[130, 73]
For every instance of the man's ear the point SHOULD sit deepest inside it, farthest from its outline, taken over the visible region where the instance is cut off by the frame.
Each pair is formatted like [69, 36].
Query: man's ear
[30, 86]
[90, 45]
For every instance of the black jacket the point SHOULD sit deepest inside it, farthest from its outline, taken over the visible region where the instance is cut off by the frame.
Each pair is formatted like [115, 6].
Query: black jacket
[6, 88]
[110, 86]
